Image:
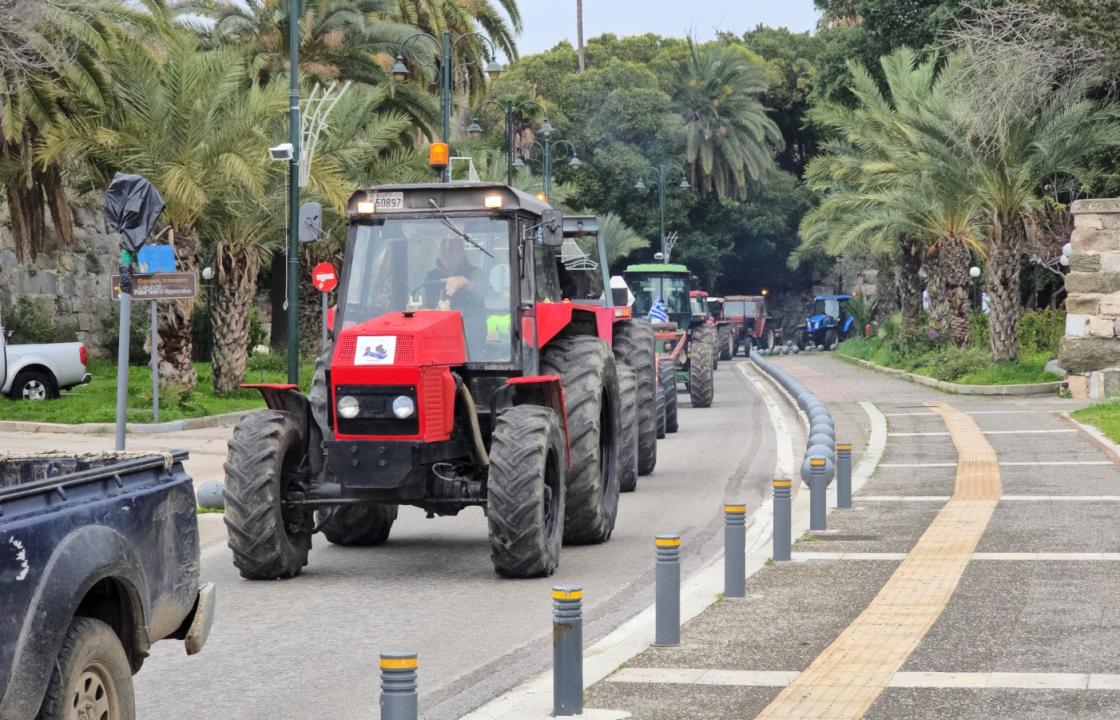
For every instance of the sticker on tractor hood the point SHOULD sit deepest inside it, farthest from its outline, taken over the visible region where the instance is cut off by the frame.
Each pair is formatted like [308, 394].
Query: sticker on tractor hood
[375, 350]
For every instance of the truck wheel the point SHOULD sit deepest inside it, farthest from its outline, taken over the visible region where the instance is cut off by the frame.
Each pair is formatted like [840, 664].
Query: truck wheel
[668, 372]
[267, 455]
[525, 491]
[91, 677]
[633, 345]
[34, 385]
[628, 438]
[726, 342]
[660, 411]
[700, 387]
[357, 525]
[590, 381]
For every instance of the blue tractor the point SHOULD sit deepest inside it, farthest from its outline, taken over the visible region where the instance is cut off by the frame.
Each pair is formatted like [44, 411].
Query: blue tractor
[828, 324]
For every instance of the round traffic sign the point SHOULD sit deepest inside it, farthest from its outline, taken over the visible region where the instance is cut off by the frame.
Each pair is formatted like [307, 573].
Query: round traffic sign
[324, 278]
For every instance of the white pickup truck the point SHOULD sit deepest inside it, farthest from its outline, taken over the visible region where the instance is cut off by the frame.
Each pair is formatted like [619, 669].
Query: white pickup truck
[39, 372]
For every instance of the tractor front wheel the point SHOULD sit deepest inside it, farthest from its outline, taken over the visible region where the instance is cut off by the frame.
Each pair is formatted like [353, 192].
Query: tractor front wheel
[726, 342]
[668, 372]
[525, 491]
[628, 439]
[357, 525]
[633, 345]
[831, 339]
[590, 381]
[267, 461]
[660, 408]
[700, 387]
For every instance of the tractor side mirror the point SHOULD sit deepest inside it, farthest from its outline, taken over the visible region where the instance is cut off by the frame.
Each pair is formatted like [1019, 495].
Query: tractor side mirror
[552, 228]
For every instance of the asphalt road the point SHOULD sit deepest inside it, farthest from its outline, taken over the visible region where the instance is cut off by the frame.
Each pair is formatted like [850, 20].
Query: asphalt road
[308, 647]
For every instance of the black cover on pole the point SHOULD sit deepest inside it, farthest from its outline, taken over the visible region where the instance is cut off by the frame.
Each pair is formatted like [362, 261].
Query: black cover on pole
[132, 205]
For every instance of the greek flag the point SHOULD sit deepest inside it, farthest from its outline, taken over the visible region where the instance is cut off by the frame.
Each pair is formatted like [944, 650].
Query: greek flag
[657, 313]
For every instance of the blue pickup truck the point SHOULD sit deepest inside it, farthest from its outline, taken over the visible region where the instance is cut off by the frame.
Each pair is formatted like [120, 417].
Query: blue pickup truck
[99, 559]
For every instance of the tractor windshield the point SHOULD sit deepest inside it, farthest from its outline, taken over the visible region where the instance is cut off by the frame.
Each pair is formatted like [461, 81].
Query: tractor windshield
[414, 264]
[699, 306]
[670, 290]
[827, 306]
[739, 308]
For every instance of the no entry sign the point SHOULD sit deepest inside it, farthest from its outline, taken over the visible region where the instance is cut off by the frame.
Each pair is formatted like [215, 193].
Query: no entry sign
[324, 278]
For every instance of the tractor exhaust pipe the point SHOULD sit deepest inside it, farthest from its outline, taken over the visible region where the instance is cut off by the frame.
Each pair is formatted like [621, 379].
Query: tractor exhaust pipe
[480, 454]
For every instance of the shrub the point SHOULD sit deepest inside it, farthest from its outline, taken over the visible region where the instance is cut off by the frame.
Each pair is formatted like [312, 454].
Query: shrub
[862, 310]
[955, 363]
[110, 333]
[26, 323]
[1040, 331]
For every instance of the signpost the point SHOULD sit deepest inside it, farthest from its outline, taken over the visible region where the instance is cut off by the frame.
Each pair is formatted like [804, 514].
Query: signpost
[325, 279]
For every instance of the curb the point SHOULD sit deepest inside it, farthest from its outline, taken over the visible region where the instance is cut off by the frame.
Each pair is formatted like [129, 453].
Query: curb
[209, 421]
[1102, 441]
[1020, 390]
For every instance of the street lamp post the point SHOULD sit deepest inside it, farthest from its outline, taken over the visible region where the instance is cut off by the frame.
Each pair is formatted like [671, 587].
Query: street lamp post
[660, 178]
[476, 129]
[547, 148]
[293, 195]
[400, 71]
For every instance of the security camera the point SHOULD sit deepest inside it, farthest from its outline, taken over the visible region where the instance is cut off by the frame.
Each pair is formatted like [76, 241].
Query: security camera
[282, 152]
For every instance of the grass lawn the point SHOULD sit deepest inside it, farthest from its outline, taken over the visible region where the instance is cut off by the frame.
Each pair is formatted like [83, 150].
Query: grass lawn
[1104, 417]
[96, 402]
[968, 366]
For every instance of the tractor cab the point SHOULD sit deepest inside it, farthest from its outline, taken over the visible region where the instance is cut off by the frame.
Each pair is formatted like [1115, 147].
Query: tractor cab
[698, 303]
[661, 292]
[827, 324]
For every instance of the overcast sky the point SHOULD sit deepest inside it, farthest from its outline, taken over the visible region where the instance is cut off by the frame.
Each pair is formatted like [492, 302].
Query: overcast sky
[547, 22]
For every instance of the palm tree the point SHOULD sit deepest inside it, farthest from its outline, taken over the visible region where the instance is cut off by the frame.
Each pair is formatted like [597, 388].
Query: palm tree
[51, 60]
[730, 139]
[620, 238]
[188, 124]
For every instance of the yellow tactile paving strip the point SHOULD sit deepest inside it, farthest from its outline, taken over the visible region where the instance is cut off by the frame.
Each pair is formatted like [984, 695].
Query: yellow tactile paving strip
[847, 677]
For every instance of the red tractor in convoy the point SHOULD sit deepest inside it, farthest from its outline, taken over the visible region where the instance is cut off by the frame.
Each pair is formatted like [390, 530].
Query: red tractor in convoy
[725, 333]
[751, 324]
[463, 373]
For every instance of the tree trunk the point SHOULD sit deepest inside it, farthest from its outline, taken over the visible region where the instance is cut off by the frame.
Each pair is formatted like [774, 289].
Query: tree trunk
[947, 262]
[579, 33]
[1007, 238]
[25, 205]
[233, 301]
[886, 283]
[175, 346]
[909, 282]
[61, 214]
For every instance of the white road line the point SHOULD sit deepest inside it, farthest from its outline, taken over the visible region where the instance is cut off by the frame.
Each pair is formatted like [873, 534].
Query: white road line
[912, 414]
[973, 412]
[816, 556]
[902, 498]
[1001, 557]
[917, 434]
[1029, 432]
[1008, 498]
[781, 678]
[1058, 463]
[918, 465]
[1106, 557]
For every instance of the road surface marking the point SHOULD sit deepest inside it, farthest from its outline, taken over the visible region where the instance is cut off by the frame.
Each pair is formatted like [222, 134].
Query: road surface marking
[1059, 463]
[917, 465]
[1003, 498]
[941, 680]
[1029, 432]
[917, 434]
[810, 556]
[847, 677]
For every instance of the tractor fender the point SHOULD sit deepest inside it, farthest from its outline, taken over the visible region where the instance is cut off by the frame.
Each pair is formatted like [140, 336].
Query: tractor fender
[289, 398]
[847, 327]
[554, 318]
[543, 390]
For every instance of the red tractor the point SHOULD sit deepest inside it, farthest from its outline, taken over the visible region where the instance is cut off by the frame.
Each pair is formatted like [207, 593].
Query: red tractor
[460, 376]
[725, 333]
[751, 324]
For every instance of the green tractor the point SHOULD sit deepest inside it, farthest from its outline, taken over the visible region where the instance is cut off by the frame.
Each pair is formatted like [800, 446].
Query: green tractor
[685, 338]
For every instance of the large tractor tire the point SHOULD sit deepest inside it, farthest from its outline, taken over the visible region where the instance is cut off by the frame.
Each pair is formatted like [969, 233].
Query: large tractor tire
[590, 381]
[700, 382]
[525, 491]
[91, 676]
[668, 379]
[357, 525]
[267, 454]
[633, 345]
[628, 438]
[831, 339]
[660, 410]
[726, 342]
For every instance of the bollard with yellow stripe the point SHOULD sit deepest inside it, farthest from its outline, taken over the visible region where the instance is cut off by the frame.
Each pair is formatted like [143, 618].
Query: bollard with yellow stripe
[667, 591]
[783, 527]
[398, 686]
[567, 650]
[735, 550]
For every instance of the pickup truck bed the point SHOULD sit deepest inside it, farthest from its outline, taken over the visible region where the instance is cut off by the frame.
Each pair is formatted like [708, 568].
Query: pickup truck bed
[113, 537]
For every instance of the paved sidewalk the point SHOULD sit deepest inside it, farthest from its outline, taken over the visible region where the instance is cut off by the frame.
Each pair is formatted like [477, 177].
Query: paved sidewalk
[977, 576]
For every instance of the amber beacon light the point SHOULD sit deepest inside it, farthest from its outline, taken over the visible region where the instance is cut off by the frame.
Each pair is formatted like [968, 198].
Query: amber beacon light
[438, 157]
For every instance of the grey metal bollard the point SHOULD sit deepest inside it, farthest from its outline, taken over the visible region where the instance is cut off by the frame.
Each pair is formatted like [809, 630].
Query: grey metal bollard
[567, 650]
[818, 494]
[844, 475]
[782, 521]
[667, 625]
[398, 686]
[735, 550]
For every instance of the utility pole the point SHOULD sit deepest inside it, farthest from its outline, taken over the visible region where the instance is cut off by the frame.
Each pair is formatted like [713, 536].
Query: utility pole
[579, 33]
[293, 194]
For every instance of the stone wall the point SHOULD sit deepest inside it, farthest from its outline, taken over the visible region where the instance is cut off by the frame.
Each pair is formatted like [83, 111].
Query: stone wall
[1091, 347]
[71, 287]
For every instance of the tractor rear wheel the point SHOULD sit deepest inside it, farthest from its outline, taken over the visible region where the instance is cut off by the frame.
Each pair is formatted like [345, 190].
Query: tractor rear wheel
[660, 410]
[587, 373]
[726, 342]
[668, 379]
[267, 460]
[633, 345]
[628, 438]
[831, 339]
[768, 339]
[357, 525]
[525, 491]
[700, 386]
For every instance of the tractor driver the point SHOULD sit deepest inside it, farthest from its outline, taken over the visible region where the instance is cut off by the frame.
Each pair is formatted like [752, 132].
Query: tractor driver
[462, 284]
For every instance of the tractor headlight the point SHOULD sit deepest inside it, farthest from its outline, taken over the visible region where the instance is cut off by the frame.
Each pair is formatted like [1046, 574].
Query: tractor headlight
[404, 407]
[348, 407]
[668, 346]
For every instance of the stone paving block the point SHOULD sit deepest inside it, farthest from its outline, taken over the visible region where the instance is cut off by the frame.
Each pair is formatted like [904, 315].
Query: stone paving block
[680, 702]
[1026, 419]
[910, 481]
[1048, 447]
[1010, 616]
[1053, 527]
[1059, 480]
[791, 613]
[927, 449]
[941, 704]
[872, 527]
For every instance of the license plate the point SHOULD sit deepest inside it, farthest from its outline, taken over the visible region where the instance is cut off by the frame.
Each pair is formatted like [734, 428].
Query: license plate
[388, 201]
